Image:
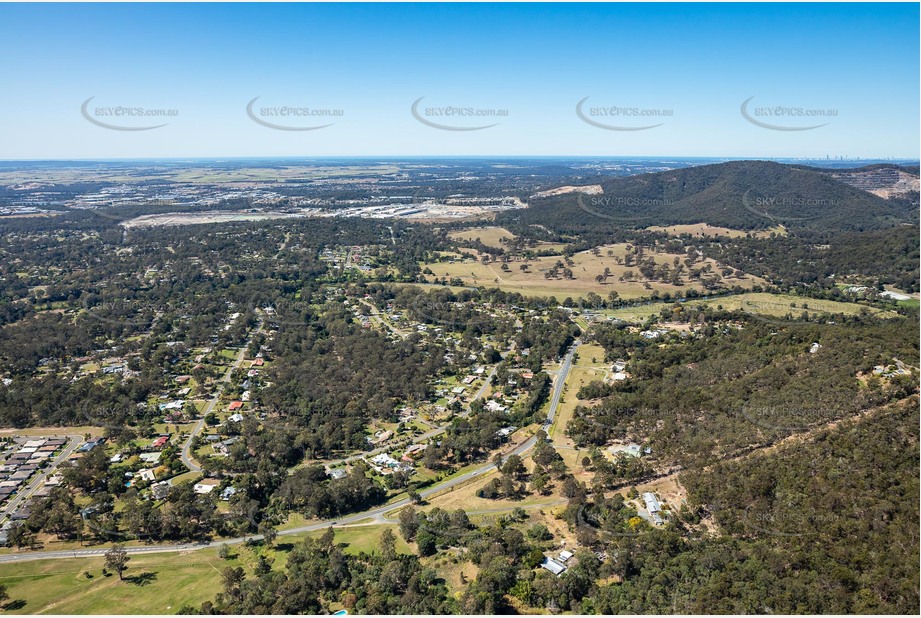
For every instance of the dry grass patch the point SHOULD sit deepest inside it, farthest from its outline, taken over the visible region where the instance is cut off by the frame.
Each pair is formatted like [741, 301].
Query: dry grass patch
[528, 277]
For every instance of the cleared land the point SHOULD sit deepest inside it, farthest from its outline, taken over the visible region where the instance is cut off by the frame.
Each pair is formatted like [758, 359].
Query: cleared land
[489, 236]
[760, 303]
[162, 584]
[586, 267]
[705, 229]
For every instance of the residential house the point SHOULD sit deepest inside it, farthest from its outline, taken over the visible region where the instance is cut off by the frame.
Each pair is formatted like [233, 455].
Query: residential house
[553, 566]
[205, 486]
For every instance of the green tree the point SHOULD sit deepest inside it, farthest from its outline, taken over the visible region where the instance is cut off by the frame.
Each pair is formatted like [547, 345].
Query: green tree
[409, 523]
[388, 545]
[117, 560]
[426, 542]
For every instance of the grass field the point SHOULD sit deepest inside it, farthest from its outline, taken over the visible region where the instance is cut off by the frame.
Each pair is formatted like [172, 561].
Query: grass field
[54, 431]
[760, 303]
[154, 583]
[585, 269]
[488, 235]
[164, 583]
[704, 229]
[589, 365]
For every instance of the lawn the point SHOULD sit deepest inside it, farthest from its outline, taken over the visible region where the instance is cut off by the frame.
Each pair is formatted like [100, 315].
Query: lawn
[366, 539]
[154, 583]
[164, 583]
[589, 366]
[704, 229]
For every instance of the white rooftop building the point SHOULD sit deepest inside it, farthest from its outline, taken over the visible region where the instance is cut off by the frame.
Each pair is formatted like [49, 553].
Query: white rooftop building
[553, 566]
[652, 503]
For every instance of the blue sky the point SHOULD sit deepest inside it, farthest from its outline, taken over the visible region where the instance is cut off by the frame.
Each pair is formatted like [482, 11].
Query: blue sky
[689, 65]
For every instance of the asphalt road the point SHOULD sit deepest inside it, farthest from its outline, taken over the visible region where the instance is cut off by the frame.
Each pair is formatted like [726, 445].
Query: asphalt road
[186, 455]
[38, 481]
[377, 514]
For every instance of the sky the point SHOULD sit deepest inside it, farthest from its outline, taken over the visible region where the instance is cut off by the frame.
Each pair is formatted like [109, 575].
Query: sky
[494, 80]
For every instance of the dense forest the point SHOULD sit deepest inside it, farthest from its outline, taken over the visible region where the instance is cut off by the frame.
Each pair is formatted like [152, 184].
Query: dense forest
[740, 387]
[746, 195]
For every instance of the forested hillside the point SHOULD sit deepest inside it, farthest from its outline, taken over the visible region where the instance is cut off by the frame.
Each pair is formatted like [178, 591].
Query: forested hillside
[747, 195]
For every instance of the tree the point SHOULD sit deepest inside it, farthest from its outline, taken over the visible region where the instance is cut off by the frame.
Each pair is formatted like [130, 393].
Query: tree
[388, 545]
[20, 536]
[508, 487]
[514, 467]
[117, 560]
[263, 566]
[409, 523]
[426, 542]
[231, 578]
[268, 532]
[539, 482]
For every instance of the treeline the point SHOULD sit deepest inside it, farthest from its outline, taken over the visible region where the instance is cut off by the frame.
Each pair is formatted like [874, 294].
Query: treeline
[825, 527]
[889, 256]
[733, 388]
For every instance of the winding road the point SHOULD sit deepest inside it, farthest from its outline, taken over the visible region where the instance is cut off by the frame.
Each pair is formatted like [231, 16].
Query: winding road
[376, 514]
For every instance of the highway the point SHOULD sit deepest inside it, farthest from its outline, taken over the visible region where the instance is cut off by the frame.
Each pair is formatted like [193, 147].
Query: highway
[377, 514]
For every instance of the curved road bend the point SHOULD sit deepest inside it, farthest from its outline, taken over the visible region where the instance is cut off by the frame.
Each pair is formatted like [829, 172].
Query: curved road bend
[377, 513]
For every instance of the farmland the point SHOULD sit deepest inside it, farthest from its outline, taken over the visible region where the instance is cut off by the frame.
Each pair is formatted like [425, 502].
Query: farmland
[533, 277]
[758, 303]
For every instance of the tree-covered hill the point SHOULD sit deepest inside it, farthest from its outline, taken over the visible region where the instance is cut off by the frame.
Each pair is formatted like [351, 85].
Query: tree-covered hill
[746, 195]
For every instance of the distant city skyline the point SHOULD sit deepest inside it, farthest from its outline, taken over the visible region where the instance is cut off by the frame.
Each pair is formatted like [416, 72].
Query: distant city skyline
[796, 81]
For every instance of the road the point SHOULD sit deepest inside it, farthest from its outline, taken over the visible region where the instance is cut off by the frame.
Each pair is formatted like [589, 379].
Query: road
[378, 514]
[186, 454]
[421, 437]
[38, 481]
